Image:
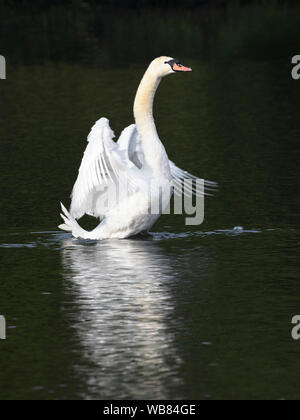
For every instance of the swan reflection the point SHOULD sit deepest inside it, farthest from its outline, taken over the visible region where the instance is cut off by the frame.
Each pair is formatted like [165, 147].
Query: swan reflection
[122, 313]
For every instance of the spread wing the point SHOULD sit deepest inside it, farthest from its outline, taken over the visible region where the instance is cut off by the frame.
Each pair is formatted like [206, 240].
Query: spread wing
[105, 162]
[102, 167]
[130, 142]
[194, 186]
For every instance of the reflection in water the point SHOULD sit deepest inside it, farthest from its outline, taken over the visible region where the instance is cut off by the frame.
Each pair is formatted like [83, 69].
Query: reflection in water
[123, 309]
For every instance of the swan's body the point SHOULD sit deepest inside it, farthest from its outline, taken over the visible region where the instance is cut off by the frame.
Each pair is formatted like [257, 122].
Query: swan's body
[137, 165]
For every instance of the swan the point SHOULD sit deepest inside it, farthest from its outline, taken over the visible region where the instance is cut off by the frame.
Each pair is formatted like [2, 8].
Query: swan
[137, 164]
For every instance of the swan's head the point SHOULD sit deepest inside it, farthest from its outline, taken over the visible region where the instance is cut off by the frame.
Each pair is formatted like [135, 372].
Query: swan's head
[162, 66]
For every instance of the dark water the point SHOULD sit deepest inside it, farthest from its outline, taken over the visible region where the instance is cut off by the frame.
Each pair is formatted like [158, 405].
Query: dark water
[190, 312]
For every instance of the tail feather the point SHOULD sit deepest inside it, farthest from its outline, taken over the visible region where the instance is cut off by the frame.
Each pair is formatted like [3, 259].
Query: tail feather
[65, 227]
[71, 224]
[65, 211]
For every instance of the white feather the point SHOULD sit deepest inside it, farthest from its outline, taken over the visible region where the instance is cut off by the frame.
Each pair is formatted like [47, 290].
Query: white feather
[100, 167]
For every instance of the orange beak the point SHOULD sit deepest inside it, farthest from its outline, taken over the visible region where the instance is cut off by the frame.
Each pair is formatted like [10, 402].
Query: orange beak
[180, 67]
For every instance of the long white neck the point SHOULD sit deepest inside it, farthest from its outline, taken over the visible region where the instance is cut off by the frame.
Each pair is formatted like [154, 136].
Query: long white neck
[154, 152]
[143, 104]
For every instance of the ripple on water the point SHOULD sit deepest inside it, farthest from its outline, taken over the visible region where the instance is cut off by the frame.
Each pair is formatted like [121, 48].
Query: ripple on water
[53, 239]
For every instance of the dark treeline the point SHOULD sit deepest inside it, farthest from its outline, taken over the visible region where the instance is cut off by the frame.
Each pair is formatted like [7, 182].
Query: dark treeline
[124, 3]
[38, 4]
[93, 31]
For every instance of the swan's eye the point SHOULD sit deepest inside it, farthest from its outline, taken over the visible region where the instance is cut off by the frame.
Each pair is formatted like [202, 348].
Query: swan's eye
[171, 62]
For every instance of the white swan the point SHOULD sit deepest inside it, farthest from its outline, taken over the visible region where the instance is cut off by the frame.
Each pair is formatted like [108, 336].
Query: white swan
[137, 164]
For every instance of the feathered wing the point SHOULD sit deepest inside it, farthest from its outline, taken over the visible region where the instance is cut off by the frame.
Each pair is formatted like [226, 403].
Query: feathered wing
[130, 142]
[101, 168]
[195, 186]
